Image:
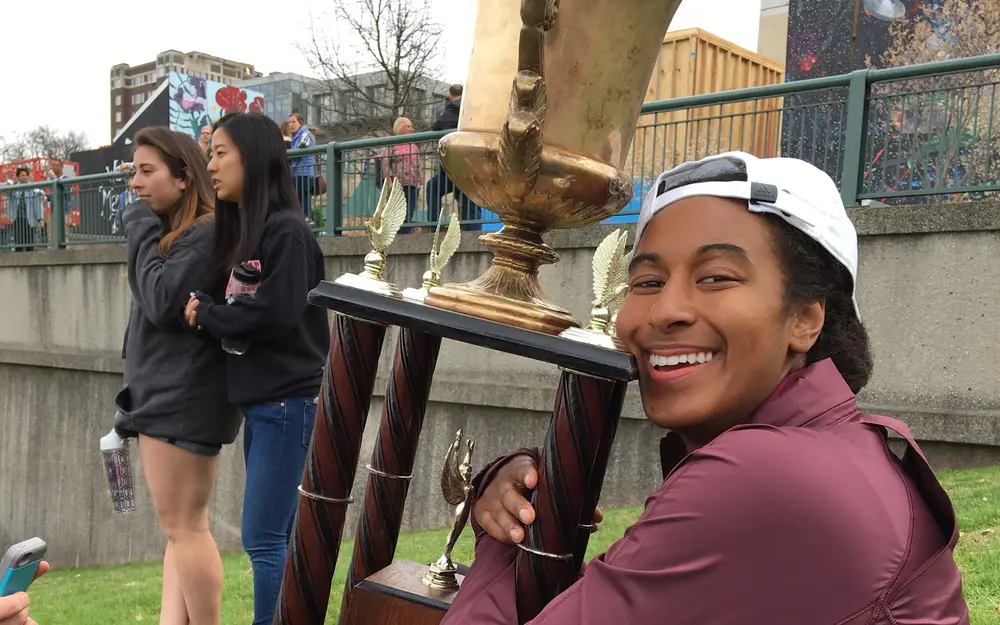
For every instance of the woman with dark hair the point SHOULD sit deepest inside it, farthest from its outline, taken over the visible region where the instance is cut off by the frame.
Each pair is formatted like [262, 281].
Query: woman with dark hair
[276, 379]
[174, 397]
[781, 502]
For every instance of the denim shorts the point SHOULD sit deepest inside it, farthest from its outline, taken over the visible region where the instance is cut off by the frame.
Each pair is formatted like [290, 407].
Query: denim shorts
[202, 449]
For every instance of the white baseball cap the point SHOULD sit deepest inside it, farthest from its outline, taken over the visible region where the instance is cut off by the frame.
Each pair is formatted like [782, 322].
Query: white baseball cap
[794, 190]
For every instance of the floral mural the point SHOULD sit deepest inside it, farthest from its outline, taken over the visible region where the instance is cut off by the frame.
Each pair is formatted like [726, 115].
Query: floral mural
[196, 102]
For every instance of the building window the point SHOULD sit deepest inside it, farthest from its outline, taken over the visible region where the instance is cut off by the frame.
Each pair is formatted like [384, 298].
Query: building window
[216, 68]
[118, 100]
[137, 98]
[118, 117]
[117, 83]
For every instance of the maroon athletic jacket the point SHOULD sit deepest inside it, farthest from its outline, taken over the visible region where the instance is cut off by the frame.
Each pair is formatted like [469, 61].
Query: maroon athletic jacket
[801, 516]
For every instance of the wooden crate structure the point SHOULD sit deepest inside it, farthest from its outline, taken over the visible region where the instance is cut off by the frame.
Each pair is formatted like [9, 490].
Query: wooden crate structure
[695, 62]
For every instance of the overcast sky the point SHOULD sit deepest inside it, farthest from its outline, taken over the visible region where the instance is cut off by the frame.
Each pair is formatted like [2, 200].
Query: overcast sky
[58, 60]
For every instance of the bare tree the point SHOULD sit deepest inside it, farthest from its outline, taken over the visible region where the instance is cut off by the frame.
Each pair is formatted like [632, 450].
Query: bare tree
[12, 150]
[947, 127]
[42, 142]
[377, 63]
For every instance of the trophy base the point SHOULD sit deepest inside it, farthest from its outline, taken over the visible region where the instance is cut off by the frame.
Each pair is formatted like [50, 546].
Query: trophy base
[550, 188]
[530, 314]
[367, 283]
[442, 579]
[397, 596]
[593, 337]
[415, 295]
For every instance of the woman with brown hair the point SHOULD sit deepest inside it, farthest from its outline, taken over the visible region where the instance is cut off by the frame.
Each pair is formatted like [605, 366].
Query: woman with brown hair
[174, 396]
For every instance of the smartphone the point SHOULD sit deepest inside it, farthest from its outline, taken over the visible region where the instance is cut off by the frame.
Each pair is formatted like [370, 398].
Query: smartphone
[19, 565]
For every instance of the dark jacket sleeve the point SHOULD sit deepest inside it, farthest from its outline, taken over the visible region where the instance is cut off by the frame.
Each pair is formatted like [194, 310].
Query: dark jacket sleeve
[280, 300]
[161, 286]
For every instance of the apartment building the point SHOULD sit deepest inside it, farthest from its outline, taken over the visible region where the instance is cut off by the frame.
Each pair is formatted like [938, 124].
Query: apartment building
[131, 86]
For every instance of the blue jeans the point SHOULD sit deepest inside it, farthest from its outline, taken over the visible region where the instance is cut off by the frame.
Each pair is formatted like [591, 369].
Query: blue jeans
[275, 441]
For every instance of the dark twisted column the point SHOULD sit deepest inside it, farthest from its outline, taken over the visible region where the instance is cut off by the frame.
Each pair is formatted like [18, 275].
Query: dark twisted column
[329, 474]
[544, 565]
[393, 456]
[593, 494]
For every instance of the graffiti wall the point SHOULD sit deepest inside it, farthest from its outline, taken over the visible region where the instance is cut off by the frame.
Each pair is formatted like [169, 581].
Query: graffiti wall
[196, 102]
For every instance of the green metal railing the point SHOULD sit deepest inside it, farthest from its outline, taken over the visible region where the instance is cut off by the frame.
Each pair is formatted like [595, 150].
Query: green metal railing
[909, 135]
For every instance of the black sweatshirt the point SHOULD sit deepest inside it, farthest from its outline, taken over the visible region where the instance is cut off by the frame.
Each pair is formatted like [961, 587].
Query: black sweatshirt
[288, 337]
[175, 385]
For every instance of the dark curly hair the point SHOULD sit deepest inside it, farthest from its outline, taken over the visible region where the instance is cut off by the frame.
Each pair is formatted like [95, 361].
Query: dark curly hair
[812, 273]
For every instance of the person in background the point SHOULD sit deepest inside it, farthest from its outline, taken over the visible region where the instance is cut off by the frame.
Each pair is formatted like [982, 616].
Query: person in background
[25, 214]
[174, 395]
[56, 172]
[126, 197]
[205, 140]
[448, 120]
[286, 134]
[402, 162]
[14, 608]
[441, 184]
[781, 503]
[304, 167]
[277, 380]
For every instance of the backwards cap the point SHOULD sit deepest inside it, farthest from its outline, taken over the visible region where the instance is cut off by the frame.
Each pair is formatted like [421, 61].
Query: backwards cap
[794, 190]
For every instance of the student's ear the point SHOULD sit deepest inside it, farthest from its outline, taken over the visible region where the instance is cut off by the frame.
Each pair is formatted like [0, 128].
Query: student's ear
[807, 323]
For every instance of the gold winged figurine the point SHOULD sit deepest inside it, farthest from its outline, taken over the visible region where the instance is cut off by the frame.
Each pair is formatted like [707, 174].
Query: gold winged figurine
[620, 291]
[456, 486]
[382, 230]
[440, 255]
[610, 267]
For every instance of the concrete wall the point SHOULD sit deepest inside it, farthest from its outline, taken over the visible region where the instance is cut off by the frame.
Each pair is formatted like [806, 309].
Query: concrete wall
[927, 290]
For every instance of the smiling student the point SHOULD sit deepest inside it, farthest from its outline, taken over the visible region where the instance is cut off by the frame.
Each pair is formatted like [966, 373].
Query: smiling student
[781, 504]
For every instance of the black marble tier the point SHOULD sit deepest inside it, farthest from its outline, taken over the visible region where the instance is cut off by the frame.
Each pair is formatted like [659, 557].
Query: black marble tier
[582, 358]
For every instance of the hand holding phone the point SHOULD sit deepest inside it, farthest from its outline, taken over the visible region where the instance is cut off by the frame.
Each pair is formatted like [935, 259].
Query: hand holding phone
[19, 566]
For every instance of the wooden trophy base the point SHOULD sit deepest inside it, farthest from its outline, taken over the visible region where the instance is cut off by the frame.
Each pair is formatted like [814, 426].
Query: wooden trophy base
[397, 596]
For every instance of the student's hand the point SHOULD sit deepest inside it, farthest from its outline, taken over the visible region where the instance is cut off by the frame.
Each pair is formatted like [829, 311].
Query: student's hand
[191, 312]
[14, 609]
[503, 509]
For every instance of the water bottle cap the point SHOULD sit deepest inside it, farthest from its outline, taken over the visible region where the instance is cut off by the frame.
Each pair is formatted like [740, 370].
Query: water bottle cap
[112, 441]
[246, 273]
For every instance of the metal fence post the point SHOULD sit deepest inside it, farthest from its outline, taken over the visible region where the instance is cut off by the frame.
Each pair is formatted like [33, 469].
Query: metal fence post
[857, 133]
[57, 217]
[335, 188]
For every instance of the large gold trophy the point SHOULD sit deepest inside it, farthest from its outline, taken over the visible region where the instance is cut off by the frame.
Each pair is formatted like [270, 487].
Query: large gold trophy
[551, 102]
[549, 151]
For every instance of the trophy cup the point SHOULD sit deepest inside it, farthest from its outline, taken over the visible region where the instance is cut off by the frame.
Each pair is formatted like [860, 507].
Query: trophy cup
[456, 486]
[554, 156]
[551, 155]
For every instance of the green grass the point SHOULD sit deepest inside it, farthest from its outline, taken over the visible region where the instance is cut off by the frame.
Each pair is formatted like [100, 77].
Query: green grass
[126, 594]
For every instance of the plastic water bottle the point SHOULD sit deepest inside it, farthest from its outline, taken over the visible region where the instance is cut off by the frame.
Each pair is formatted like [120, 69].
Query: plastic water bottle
[118, 467]
[246, 278]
